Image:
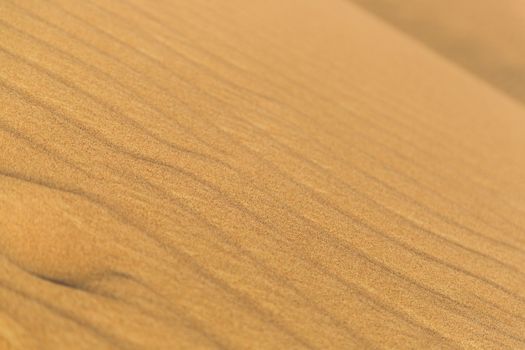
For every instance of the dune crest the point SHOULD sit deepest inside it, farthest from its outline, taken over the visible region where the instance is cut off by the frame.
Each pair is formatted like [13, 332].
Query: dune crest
[485, 37]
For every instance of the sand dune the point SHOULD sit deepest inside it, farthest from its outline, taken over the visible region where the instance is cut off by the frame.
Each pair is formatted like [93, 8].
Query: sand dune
[251, 174]
[485, 37]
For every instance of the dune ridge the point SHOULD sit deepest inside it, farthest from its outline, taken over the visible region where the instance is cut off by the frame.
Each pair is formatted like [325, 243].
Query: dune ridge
[484, 37]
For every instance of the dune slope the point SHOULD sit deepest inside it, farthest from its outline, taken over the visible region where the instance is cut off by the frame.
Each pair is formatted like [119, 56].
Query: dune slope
[485, 37]
[251, 174]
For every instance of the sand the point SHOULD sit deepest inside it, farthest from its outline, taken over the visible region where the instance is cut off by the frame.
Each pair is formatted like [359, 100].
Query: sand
[260, 174]
[484, 37]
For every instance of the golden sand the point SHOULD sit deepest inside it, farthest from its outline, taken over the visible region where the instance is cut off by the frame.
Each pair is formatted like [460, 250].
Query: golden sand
[485, 37]
[261, 174]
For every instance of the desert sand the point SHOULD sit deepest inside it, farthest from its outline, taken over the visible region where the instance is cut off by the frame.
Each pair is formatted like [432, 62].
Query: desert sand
[261, 174]
[485, 37]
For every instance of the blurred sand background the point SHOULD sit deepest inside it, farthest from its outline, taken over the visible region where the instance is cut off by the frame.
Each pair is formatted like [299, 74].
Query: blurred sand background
[485, 37]
[266, 174]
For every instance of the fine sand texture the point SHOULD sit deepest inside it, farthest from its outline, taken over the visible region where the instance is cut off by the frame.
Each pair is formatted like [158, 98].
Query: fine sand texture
[263, 174]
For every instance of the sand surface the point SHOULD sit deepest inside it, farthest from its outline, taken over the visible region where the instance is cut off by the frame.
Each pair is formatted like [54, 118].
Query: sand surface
[485, 37]
[260, 174]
